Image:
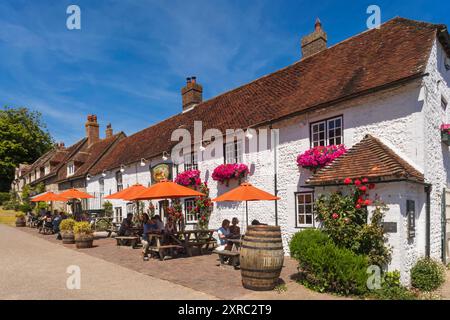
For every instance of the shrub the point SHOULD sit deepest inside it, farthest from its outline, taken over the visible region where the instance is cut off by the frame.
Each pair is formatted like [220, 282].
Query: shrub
[102, 225]
[427, 275]
[108, 207]
[326, 267]
[67, 225]
[4, 197]
[25, 207]
[391, 288]
[82, 227]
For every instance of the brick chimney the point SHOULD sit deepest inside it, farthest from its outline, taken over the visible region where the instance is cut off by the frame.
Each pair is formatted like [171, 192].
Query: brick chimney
[314, 42]
[108, 131]
[191, 93]
[92, 129]
[59, 145]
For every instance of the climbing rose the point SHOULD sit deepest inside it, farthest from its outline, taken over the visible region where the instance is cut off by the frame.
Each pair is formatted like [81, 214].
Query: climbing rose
[348, 181]
[357, 182]
[358, 206]
[335, 216]
[367, 202]
[363, 188]
[371, 186]
[365, 180]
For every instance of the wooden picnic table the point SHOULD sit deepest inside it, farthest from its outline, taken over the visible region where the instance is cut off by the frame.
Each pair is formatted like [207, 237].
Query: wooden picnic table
[236, 244]
[194, 238]
[161, 249]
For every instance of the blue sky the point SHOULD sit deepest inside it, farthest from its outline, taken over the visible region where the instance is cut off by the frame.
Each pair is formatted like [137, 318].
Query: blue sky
[131, 57]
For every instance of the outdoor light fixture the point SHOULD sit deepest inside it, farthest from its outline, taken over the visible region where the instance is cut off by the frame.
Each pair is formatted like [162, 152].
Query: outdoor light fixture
[122, 168]
[142, 162]
[248, 134]
[202, 148]
[104, 173]
[165, 156]
[88, 177]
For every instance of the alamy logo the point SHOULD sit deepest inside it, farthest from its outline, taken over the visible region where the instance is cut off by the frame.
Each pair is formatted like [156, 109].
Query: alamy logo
[73, 282]
[374, 20]
[73, 21]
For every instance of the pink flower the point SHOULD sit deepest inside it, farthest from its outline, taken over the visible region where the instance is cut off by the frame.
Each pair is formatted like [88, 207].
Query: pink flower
[189, 178]
[357, 182]
[335, 216]
[367, 202]
[363, 188]
[348, 181]
[365, 180]
[230, 171]
[358, 206]
[320, 156]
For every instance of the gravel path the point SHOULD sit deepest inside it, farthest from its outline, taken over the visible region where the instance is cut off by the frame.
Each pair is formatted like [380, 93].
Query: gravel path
[33, 268]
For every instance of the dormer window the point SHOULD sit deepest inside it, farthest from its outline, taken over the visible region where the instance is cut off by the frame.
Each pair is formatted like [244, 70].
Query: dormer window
[47, 169]
[70, 169]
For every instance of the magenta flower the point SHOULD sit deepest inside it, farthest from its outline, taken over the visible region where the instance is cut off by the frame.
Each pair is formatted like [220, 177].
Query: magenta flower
[229, 171]
[189, 178]
[320, 156]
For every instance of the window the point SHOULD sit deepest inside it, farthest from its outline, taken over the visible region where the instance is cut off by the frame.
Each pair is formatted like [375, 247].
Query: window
[190, 217]
[70, 169]
[119, 181]
[101, 183]
[304, 209]
[47, 169]
[233, 152]
[327, 132]
[118, 214]
[191, 161]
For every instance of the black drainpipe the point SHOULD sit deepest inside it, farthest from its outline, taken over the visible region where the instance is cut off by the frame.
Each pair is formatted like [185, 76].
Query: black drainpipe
[427, 220]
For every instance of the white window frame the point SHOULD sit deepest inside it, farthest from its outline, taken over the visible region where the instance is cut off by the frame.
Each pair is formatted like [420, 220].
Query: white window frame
[118, 214]
[47, 169]
[70, 169]
[326, 128]
[302, 206]
[191, 161]
[101, 185]
[119, 185]
[189, 217]
[233, 152]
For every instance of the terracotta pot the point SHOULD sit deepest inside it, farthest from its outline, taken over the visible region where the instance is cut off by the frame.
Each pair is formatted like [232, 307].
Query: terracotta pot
[67, 237]
[20, 222]
[83, 241]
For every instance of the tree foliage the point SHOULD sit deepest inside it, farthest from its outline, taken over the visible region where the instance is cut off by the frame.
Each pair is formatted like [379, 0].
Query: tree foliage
[23, 139]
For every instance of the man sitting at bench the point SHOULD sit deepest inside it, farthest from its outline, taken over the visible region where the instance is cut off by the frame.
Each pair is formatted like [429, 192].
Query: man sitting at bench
[125, 227]
[223, 234]
[149, 225]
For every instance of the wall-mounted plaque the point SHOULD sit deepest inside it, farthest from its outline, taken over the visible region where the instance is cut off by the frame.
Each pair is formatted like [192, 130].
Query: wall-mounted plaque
[160, 172]
[390, 227]
[411, 212]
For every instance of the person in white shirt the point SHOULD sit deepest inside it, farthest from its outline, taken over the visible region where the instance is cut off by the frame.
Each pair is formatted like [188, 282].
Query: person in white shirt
[223, 234]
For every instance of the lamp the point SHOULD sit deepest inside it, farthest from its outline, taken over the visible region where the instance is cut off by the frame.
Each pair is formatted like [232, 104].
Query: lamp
[165, 156]
[88, 177]
[142, 162]
[248, 134]
[122, 168]
[104, 173]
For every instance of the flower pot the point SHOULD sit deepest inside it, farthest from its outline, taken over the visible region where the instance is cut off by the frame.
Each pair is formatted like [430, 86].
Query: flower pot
[84, 241]
[67, 237]
[20, 222]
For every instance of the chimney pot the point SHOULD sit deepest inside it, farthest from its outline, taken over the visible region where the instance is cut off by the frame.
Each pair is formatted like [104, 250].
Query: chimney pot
[109, 131]
[92, 130]
[191, 94]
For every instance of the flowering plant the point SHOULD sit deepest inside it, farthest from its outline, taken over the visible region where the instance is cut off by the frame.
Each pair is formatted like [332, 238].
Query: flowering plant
[445, 128]
[344, 217]
[189, 178]
[320, 156]
[175, 211]
[203, 207]
[226, 172]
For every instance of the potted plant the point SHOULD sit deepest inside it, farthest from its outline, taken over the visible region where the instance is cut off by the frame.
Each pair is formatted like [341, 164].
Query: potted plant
[84, 236]
[66, 227]
[20, 219]
[189, 178]
[320, 156]
[225, 172]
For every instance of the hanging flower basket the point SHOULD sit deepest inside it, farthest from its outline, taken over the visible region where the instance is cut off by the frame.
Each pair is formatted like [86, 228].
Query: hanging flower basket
[189, 178]
[320, 156]
[226, 172]
[445, 134]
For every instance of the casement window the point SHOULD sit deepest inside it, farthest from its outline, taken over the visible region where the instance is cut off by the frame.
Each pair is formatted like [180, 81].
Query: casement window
[327, 132]
[189, 216]
[118, 214]
[191, 161]
[304, 206]
[47, 169]
[101, 186]
[119, 182]
[233, 152]
[71, 169]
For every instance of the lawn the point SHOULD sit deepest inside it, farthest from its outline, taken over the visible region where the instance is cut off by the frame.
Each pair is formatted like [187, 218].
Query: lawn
[7, 216]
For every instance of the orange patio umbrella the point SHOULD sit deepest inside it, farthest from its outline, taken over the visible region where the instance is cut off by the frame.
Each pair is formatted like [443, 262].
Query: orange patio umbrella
[48, 196]
[165, 190]
[128, 193]
[75, 194]
[246, 192]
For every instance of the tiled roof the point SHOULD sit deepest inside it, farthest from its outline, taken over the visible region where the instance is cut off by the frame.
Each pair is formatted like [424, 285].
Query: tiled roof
[88, 156]
[40, 161]
[367, 62]
[369, 158]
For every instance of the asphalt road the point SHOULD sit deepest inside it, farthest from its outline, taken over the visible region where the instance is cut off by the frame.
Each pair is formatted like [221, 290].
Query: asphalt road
[33, 268]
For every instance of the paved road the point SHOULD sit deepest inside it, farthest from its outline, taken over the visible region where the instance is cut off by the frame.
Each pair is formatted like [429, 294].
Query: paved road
[33, 268]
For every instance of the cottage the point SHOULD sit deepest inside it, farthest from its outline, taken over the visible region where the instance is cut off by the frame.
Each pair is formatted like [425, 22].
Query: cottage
[382, 93]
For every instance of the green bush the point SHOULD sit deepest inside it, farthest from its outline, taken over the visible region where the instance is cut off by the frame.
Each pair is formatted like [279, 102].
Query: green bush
[427, 275]
[4, 197]
[326, 267]
[11, 205]
[102, 225]
[391, 288]
[67, 225]
[25, 207]
[82, 227]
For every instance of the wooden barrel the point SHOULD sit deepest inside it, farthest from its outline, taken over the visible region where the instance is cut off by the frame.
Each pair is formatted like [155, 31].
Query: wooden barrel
[84, 241]
[68, 237]
[261, 257]
[20, 222]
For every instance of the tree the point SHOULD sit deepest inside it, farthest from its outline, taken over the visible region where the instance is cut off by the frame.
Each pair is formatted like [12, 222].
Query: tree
[23, 139]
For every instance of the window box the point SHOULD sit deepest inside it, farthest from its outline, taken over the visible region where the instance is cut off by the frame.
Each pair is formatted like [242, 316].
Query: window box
[225, 172]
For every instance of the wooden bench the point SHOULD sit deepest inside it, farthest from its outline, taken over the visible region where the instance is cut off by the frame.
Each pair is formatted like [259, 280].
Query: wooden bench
[232, 255]
[162, 249]
[127, 241]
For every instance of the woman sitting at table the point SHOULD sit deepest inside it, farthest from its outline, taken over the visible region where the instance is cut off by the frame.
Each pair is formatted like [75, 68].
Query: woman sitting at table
[149, 226]
[235, 231]
[223, 234]
[169, 230]
[159, 223]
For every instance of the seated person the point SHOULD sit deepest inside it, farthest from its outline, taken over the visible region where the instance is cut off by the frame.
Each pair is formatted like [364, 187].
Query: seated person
[170, 227]
[159, 223]
[149, 226]
[234, 229]
[55, 223]
[125, 227]
[223, 233]
[257, 223]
